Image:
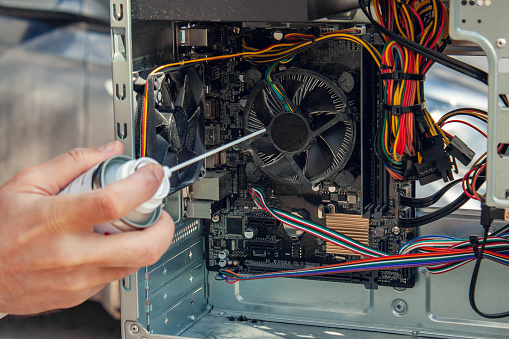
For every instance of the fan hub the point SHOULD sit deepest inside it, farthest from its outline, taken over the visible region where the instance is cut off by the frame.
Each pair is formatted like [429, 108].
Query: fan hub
[178, 127]
[289, 132]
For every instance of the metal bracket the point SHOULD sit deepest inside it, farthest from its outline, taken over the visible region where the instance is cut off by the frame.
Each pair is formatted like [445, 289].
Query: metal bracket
[484, 23]
[120, 20]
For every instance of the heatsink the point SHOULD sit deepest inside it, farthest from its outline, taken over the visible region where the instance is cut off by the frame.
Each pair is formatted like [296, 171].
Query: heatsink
[350, 225]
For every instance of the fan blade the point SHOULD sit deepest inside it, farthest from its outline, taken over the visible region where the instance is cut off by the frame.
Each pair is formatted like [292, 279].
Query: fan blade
[282, 167]
[161, 148]
[319, 159]
[166, 91]
[334, 137]
[191, 93]
[261, 109]
[318, 100]
[185, 98]
[192, 129]
[291, 87]
[189, 173]
[170, 159]
[300, 160]
[265, 149]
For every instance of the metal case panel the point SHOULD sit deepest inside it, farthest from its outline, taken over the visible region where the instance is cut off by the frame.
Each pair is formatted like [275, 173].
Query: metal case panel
[485, 23]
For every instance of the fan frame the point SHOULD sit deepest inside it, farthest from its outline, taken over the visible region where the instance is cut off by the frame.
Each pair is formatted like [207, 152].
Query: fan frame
[345, 116]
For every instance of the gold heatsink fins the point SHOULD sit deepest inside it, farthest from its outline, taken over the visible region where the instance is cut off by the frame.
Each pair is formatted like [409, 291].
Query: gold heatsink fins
[351, 225]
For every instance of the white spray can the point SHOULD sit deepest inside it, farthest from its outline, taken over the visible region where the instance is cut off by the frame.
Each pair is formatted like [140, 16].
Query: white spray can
[115, 169]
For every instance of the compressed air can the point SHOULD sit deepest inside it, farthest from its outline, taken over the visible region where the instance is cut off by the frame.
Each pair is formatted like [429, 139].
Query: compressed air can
[115, 169]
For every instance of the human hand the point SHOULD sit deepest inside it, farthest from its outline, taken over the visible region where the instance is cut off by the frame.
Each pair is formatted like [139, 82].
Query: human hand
[49, 256]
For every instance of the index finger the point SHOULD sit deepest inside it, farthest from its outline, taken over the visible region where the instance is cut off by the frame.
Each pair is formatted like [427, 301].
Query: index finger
[131, 249]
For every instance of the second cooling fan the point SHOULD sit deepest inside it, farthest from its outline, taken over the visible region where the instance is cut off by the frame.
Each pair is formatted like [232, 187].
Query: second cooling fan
[311, 132]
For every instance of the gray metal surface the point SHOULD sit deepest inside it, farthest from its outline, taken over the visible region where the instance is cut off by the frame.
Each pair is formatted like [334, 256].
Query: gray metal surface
[120, 19]
[484, 22]
[221, 10]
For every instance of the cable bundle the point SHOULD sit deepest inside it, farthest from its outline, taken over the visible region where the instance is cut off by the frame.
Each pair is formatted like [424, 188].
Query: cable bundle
[406, 121]
[310, 227]
[438, 253]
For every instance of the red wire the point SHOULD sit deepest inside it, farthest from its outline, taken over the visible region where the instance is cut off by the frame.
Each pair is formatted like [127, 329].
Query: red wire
[465, 123]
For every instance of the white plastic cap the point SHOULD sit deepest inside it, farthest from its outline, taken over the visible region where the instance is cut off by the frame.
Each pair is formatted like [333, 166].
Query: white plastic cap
[150, 205]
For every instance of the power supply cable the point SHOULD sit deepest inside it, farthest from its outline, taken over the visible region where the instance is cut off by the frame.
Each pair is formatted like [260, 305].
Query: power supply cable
[429, 53]
[431, 200]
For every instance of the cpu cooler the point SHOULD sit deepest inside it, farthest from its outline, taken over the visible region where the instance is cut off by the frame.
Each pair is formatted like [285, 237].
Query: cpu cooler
[309, 143]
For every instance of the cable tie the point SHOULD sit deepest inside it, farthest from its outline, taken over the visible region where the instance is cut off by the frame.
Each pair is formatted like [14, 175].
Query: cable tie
[474, 240]
[397, 110]
[399, 76]
[447, 40]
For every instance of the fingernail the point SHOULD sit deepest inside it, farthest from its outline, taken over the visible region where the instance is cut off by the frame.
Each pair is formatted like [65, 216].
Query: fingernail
[109, 147]
[158, 173]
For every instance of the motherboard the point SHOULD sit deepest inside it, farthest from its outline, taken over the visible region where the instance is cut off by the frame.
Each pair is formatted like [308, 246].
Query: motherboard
[316, 161]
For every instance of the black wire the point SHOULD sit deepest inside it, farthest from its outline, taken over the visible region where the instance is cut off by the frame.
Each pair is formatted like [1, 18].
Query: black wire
[428, 201]
[473, 282]
[435, 215]
[429, 53]
[442, 212]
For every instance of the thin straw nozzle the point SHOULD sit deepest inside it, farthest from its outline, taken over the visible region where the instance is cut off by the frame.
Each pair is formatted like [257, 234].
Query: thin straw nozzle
[178, 167]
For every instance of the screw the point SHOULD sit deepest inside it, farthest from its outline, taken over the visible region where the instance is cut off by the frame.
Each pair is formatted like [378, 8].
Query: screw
[399, 307]
[215, 218]
[396, 230]
[135, 328]
[507, 216]
[192, 317]
[501, 43]
[236, 30]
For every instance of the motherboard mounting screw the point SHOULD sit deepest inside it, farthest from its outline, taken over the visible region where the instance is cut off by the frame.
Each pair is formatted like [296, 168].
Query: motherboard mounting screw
[501, 43]
[215, 218]
[399, 307]
[236, 30]
[135, 328]
[396, 230]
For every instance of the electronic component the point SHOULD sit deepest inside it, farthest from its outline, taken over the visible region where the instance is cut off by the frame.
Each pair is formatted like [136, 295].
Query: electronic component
[216, 185]
[458, 149]
[194, 37]
[351, 225]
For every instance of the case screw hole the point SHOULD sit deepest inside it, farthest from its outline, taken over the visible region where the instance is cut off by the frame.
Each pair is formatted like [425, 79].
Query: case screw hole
[118, 12]
[121, 134]
[120, 94]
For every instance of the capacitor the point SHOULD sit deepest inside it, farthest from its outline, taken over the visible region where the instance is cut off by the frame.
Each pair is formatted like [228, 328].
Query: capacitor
[115, 169]
[278, 35]
[250, 232]
[223, 254]
[253, 172]
[222, 263]
[347, 81]
[346, 177]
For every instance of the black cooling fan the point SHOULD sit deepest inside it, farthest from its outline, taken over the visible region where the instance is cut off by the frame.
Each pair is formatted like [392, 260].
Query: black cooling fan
[310, 144]
[178, 124]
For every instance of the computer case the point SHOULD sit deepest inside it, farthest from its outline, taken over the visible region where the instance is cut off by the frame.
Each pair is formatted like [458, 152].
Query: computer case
[182, 289]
